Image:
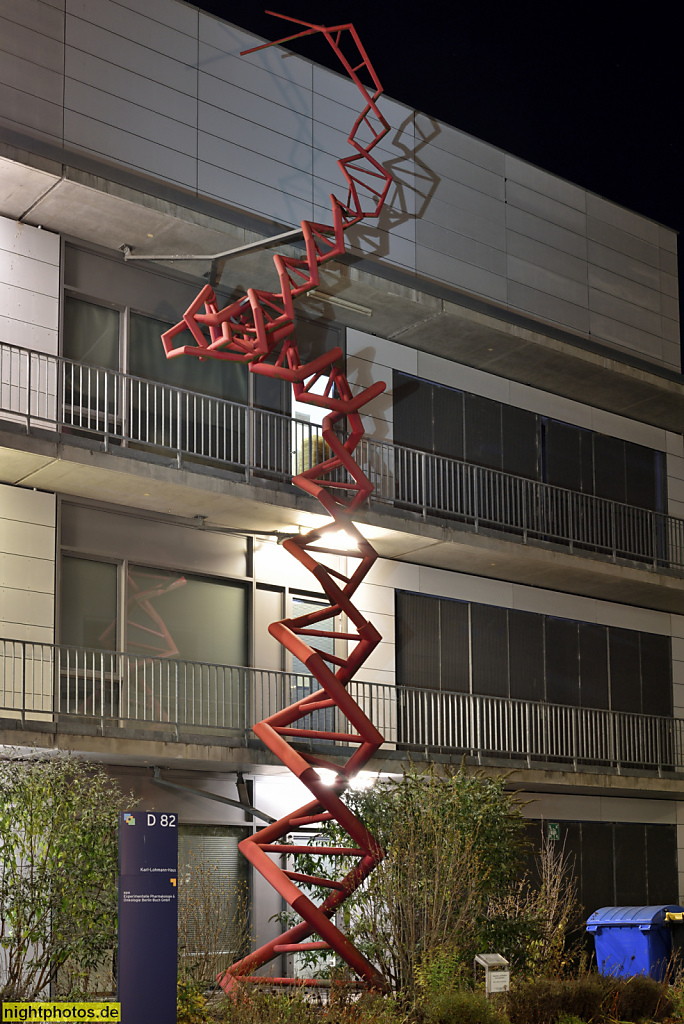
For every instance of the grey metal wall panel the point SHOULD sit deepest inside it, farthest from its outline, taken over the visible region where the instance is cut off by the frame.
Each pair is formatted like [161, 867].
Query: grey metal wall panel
[276, 174]
[182, 17]
[668, 262]
[33, 46]
[464, 222]
[126, 148]
[130, 117]
[626, 266]
[453, 193]
[249, 78]
[667, 238]
[549, 307]
[126, 84]
[258, 110]
[622, 241]
[625, 220]
[625, 336]
[36, 15]
[670, 328]
[135, 26]
[548, 209]
[460, 274]
[543, 182]
[130, 55]
[669, 285]
[434, 236]
[17, 73]
[19, 110]
[243, 135]
[555, 260]
[448, 166]
[542, 279]
[614, 284]
[669, 307]
[626, 312]
[543, 231]
[458, 143]
[252, 195]
[230, 40]
[672, 355]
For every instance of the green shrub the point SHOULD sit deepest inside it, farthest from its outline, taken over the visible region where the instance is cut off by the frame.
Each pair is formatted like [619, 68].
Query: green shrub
[452, 1006]
[591, 997]
[641, 999]
[190, 1005]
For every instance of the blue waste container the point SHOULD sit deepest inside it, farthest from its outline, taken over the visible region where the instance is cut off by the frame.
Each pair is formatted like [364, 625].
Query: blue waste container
[633, 940]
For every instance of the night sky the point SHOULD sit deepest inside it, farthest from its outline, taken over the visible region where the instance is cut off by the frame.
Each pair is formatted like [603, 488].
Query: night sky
[590, 93]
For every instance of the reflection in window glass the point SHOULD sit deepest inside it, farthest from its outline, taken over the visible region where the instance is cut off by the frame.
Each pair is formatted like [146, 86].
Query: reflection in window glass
[88, 603]
[172, 615]
[91, 333]
[146, 358]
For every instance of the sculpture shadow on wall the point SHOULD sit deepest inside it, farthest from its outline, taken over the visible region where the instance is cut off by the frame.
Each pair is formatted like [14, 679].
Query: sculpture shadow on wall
[415, 184]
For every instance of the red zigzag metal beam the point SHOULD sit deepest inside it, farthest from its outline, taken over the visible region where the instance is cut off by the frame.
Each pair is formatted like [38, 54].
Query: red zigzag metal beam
[258, 329]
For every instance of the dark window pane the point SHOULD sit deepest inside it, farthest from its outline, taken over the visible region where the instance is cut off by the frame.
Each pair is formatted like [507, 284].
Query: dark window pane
[598, 882]
[570, 842]
[526, 639]
[146, 358]
[640, 476]
[447, 419]
[91, 333]
[609, 467]
[563, 466]
[630, 866]
[520, 434]
[482, 431]
[490, 650]
[593, 648]
[88, 603]
[660, 462]
[418, 650]
[625, 689]
[661, 859]
[412, 412]
[587, 461]
[562, 662]
[455, 660]
[656, 674]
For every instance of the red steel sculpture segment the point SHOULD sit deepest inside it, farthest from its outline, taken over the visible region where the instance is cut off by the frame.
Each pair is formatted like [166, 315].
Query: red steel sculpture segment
[258, 329]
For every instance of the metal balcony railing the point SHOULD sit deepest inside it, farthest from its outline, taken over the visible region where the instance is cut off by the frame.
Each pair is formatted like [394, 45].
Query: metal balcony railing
[52, 683]
[38, 390]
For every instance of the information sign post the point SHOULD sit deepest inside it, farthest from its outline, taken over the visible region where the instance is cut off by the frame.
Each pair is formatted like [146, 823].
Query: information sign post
[147, 966]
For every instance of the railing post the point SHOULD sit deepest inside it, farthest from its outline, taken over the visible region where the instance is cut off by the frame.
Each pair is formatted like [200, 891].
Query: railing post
[249, 440]
[179, 426]
[23, 684]
[106, 411]
[476, 499]
[423, 464]
[613, 529]
[29, 384]
[177, 688]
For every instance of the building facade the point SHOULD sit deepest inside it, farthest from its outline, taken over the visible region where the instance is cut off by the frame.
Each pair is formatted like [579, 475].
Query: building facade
[527, 452]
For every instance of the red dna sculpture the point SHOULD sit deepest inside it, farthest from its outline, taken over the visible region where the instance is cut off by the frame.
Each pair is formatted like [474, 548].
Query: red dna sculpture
[258, 328]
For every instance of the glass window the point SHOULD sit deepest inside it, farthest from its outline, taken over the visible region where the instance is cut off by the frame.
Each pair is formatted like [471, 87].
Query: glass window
[213, 909]
[88, 603]
[174, 615]
[91, 333]
[219, 378]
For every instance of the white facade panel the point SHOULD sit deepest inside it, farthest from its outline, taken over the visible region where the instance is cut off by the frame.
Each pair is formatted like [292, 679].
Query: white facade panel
[27, 564]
